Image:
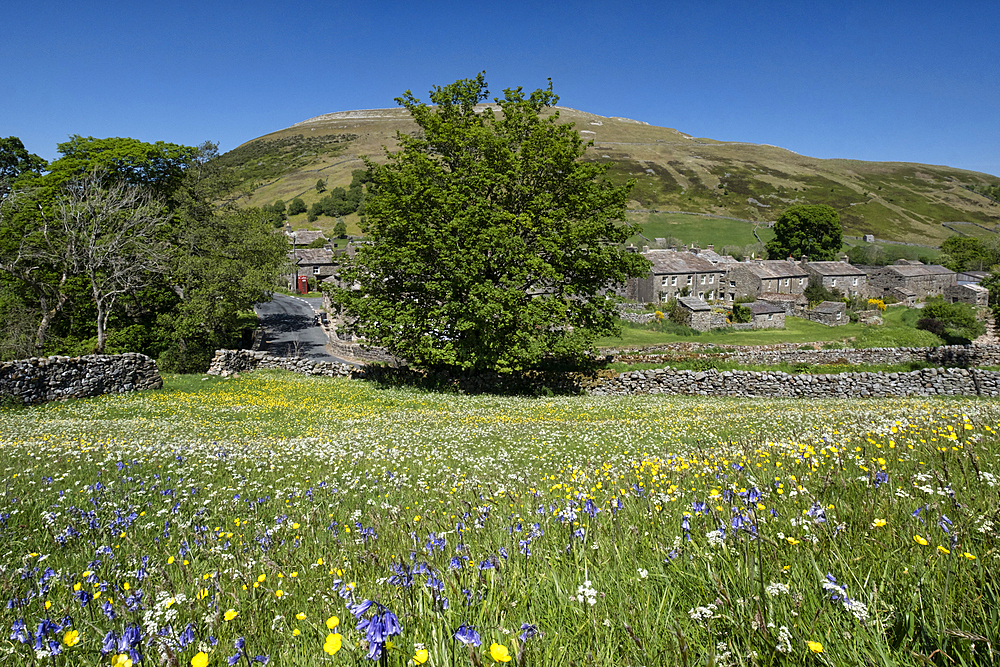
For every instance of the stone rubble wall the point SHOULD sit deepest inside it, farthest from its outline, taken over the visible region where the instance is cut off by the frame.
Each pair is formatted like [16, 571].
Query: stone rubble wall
[925, 382]
[42, 379]
[948, 355]
[230, 362]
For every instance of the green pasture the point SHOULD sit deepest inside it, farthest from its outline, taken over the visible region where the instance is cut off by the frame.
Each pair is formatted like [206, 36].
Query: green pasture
[287, 520]
[699, 229]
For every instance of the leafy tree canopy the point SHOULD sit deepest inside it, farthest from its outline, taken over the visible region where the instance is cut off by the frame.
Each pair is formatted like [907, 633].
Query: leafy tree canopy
[15, 160]
[969, 254]
[492, 246]
[159, 166]
[810, 230]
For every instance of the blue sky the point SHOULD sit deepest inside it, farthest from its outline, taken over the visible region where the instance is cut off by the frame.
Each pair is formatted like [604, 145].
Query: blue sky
[895, 81]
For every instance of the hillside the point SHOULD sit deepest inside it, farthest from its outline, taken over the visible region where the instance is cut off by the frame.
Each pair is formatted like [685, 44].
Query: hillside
[905, 202]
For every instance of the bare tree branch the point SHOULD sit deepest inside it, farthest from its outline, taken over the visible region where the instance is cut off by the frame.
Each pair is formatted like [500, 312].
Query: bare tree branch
[110, 236]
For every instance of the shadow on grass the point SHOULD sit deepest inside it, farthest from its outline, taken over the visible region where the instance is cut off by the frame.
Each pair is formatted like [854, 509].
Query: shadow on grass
[553, 378]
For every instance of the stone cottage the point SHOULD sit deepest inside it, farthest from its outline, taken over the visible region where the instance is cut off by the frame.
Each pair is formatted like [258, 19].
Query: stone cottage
[923, 280]
[789, 303]
[315, 263]
[765, 315]
[758, 277]
[838, 275]
[674, 273]
[697, 313]
[830, 313]
[970, 293]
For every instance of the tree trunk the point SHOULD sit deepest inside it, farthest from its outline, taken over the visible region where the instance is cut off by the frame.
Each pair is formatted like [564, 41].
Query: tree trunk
[47, 316]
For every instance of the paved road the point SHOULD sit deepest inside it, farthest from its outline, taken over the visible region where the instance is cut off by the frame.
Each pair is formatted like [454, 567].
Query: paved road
[291, 329]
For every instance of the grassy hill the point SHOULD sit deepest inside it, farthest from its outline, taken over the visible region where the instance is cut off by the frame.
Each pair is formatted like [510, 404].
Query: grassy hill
[675, 172]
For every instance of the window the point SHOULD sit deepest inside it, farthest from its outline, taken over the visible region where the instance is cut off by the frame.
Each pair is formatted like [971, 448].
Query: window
[701, 295]
[788, 281]
[664, 281]
[838, 316]
[315, 270]
[770, 316]
[703, 278]
[711, 295]
[711, 280]
[673, 280]
[732, 283]
[800, 282]
[833, 283]
[690, 280]
[855, 281]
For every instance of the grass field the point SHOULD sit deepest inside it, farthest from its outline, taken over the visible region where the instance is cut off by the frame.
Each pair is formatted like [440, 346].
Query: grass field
[796, 330]
[699, 229]
[300, 521]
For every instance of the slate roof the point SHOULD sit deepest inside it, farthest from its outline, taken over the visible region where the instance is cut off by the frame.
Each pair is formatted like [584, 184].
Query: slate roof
[972, 276]
[770, 269]
[693, 303]
[775, 296]
[674, 262]
[830, 307]
[835, 269]
[763, 308]
[716, 258]
[304, 256]
[914, 270]
[307, 236]
[975, 287]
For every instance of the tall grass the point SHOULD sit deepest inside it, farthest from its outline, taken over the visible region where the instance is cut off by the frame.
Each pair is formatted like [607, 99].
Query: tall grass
[249, 520]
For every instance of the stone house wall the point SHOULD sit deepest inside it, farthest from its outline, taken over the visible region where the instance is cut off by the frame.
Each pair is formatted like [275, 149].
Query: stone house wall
[885, 280]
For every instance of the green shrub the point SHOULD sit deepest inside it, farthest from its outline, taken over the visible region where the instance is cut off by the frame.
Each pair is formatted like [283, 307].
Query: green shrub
[884, 336]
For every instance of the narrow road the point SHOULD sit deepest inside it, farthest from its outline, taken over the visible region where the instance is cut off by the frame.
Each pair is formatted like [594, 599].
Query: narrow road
[291, 329]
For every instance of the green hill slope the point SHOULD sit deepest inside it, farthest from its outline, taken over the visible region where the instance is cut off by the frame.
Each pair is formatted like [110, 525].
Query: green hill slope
[904, 202]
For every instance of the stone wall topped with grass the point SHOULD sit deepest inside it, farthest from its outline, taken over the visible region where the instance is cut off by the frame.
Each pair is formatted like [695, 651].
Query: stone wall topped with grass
[42, 379]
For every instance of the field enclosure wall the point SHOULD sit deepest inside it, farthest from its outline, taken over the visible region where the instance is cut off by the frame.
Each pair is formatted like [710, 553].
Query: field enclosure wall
[41, 379]
[924, 382]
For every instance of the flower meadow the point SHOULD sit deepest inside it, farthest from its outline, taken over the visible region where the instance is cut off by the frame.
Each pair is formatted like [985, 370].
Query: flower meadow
[284, 520]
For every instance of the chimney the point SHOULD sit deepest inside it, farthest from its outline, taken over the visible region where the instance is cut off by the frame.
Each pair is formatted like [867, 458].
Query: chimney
[844, 259]
[804, 260]
[645, 249]
[711, 246]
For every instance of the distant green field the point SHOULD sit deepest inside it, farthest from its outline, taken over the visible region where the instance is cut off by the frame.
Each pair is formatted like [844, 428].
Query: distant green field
[699, 229]
[890, 252]
[975, 231]
[796, 331]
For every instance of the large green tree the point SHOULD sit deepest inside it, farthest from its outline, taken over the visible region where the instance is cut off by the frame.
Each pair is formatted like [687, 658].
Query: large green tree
[16, 161]
[812, 230]
[492, 244]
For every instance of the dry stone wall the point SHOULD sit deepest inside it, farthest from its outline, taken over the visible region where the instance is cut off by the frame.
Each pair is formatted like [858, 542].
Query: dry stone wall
[229, 362]
[947, 355]
[926, 382]
[42, 379]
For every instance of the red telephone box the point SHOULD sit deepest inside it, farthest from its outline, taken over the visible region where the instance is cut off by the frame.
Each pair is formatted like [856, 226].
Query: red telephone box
[303, 285]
